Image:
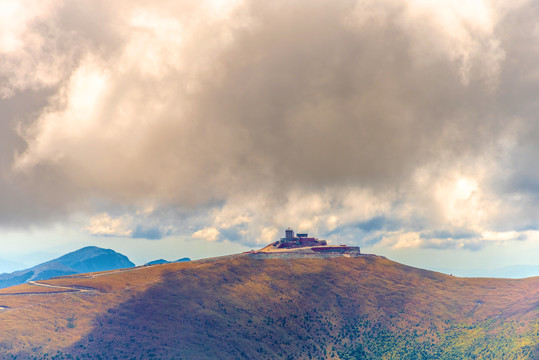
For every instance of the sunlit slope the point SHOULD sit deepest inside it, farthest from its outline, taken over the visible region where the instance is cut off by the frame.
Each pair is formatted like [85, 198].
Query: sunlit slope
[337, 308]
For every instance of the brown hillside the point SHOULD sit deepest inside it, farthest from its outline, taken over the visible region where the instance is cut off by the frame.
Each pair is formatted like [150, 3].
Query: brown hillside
[337, 308]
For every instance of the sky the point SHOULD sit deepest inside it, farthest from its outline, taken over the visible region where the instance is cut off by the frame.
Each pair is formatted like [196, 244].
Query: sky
[165, 129]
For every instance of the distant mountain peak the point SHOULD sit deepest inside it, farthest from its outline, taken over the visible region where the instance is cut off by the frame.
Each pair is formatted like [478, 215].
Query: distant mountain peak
[163, 261]
[86, 259]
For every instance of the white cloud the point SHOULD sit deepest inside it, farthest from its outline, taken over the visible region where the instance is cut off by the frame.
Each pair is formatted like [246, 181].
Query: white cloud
[402, 240]
[104, 224]
[500, 236]
[268, 235]
[208, 234]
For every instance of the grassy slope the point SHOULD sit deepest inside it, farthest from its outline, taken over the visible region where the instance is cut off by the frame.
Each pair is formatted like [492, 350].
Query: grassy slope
[347, 308]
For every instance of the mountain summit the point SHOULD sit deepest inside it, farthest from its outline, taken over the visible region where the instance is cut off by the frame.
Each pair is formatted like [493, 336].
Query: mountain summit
[87, 259]
[93, 258]
[303, 244]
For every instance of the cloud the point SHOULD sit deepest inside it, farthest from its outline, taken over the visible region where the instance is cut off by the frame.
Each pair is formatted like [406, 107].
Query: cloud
[105, 225]
[151, 233]
[157, 102]
[240, 118]
[208, 234]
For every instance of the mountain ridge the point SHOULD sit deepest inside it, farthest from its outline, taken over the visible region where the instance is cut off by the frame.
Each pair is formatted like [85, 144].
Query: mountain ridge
[163, 261]
[362, 307]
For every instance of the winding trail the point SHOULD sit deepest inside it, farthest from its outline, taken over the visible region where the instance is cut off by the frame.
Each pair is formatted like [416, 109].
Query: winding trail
[64, 291]
[63, 287]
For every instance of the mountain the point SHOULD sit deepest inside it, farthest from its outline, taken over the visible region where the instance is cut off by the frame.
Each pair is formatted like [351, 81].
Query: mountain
[8, 266]
[88, 259]
[514, 271]
[250, 306]
[92, 258]
[508, 272]
[517, 271]
[163, 261]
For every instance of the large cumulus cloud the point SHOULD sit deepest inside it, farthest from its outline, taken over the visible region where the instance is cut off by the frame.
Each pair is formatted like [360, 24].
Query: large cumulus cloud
[394, 121]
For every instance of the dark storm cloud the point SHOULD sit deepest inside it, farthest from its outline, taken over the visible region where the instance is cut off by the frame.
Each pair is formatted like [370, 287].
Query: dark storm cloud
[184, 107]
[348, 105]
[25, 197]
[299, 97]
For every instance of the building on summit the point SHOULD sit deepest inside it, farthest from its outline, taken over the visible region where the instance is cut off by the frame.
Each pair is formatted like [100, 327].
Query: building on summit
[303, 241]
[300, 240]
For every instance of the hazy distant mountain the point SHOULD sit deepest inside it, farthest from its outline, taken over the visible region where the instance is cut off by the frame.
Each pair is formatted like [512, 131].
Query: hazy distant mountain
[9, 266]
[244, 307]
[508, 272]
[516, 271]
[88, 259]
[163, 261]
